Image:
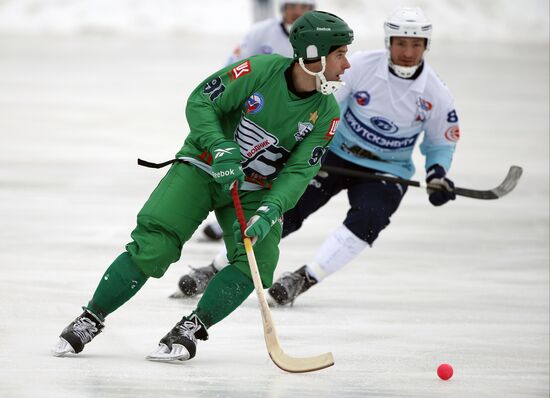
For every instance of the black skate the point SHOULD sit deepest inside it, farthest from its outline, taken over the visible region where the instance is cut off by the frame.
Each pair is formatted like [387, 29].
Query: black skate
[213, 231]
[290, 285]
[79, 332]
[195, 282]
[180, 344]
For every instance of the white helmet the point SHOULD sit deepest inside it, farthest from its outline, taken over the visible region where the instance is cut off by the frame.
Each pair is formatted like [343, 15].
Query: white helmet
[312, 3]
[406, 22]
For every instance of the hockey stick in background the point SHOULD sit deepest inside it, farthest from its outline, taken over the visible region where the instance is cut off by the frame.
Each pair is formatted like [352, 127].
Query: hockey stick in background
[505, 187]
[278, 356]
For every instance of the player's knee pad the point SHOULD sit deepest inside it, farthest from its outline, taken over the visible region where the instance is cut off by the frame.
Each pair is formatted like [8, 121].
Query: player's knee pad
[366, 223]
[154, 247]
[291, 222]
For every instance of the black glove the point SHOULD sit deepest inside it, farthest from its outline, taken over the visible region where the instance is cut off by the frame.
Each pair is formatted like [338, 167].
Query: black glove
[435, 175]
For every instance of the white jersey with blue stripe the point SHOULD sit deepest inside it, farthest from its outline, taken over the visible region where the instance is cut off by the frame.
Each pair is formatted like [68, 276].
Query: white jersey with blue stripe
[265, 37]
[383, 117]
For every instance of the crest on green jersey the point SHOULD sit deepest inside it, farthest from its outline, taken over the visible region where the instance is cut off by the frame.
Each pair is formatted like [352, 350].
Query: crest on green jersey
[254, 103]
[304, 128]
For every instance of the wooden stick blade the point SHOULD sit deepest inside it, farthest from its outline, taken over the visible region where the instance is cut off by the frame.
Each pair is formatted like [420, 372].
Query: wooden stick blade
[300, 365]
[276, 353]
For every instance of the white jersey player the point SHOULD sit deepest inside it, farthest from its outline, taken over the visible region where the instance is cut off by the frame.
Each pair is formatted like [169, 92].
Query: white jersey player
[271, 35]
[384, 114]
[392, 100]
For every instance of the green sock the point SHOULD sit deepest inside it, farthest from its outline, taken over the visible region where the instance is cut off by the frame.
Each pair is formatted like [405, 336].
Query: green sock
[224, 293]
[118, 285]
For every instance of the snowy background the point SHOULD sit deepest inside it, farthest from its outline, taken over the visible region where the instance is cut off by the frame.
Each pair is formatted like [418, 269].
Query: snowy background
[86, 87]
[501, 20]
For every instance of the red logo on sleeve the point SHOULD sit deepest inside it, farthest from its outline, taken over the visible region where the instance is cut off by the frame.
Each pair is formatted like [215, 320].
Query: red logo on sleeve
[332, 128]
[452, 134]
[240, 70]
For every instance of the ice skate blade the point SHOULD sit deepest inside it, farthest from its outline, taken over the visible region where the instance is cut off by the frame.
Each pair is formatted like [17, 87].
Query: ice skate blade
[61, 348]
[182, 296]
[177, 295]
[163, 354]
[272, 303]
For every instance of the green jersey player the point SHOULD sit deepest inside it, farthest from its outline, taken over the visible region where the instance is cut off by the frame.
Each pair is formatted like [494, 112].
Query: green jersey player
[264, 122]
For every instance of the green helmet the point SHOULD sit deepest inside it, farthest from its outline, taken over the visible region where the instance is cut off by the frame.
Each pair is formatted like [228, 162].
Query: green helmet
[315, 33]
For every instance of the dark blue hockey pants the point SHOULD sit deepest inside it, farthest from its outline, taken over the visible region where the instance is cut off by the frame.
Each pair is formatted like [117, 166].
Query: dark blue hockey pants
[372, 202]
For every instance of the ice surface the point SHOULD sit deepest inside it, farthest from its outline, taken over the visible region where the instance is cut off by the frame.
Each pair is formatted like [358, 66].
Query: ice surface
[466, 284]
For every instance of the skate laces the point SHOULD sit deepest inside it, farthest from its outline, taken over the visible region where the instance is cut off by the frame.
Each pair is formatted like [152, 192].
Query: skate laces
[292, 282]
[295, 283]
[85, 329]
[188, 328]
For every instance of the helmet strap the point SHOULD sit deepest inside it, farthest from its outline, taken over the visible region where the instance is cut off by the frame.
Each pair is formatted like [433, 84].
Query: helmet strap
[404, 72]
[288, 27]
[322, 85]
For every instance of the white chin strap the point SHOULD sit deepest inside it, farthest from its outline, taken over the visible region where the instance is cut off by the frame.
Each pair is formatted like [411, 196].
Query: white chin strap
[324, 86]
[403, 71]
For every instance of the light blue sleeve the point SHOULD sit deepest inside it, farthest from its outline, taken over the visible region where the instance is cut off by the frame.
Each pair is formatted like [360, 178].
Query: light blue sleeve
[441, 133]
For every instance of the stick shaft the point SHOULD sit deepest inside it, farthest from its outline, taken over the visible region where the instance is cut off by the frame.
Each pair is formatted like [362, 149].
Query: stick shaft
[278, 356]
[504, 188]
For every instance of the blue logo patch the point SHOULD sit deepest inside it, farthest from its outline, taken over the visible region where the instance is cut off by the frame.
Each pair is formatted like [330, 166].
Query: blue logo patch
[383, 124]
[254, 103]
[374, 137]
[362, 98]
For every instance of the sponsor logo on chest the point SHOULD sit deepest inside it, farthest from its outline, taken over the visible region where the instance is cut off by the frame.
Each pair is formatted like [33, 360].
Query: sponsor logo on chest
[384, 125]
[252, 138]
[264, 156]
[379, 133]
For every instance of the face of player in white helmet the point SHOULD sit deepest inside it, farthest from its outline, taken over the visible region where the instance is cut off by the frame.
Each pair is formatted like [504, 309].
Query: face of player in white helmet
[293, 11]
[407, 51]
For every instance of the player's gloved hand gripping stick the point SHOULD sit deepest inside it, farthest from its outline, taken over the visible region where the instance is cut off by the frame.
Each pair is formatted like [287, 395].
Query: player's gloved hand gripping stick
[259, 224]
[436, 176]
[278, 356]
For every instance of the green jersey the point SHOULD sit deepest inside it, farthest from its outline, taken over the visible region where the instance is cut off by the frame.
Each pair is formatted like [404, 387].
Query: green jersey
[281, 136]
